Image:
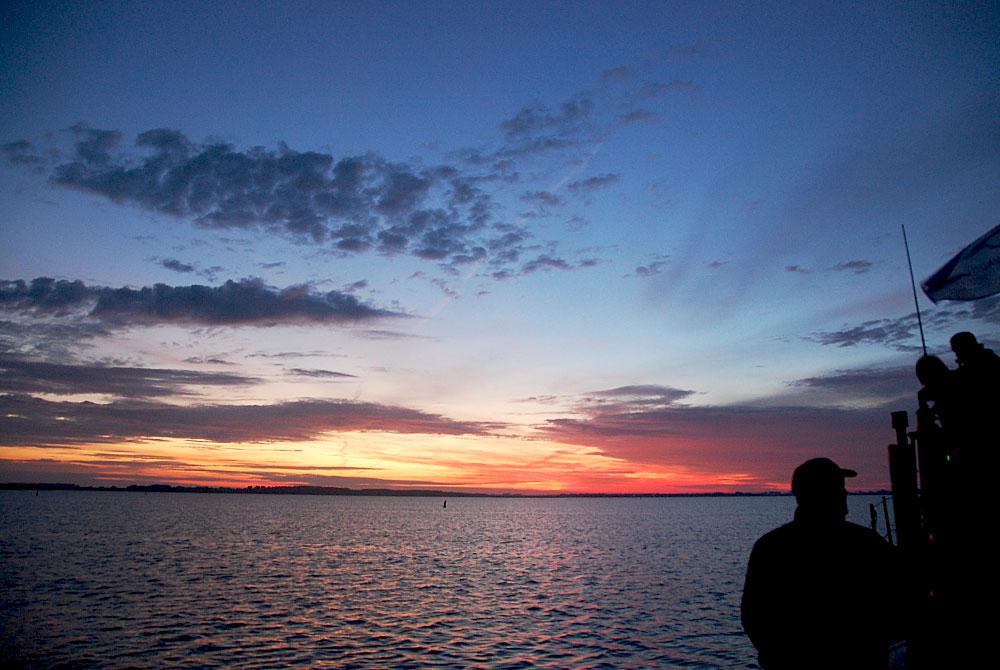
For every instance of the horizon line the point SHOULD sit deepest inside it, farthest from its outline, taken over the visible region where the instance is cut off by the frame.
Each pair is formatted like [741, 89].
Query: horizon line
[307, 489]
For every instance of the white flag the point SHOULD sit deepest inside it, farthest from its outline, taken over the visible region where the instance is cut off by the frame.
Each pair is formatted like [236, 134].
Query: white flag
[972, 274]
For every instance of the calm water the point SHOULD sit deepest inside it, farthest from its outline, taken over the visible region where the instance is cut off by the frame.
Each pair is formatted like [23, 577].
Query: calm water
[134, 580]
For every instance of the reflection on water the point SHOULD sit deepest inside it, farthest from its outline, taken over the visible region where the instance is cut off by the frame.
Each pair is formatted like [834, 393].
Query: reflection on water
[127, 579]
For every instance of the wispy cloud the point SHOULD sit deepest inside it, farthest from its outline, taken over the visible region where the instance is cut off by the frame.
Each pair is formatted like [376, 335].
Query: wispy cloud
[546, 263]
[902, 333]
[319, 373]
[856, 266]
[22, 153]
[594, 183]
[651, 269]
[619, 73]
[543, 199]
[538, 118]
[862, 386]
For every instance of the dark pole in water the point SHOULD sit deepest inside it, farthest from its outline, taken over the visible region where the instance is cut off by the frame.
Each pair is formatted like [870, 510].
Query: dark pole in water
[913, 284]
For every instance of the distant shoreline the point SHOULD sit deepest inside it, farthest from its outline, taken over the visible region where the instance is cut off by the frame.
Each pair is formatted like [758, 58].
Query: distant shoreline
[339, 491]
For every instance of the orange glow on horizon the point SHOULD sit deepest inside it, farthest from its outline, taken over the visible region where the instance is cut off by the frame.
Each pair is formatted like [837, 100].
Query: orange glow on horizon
[378, 460]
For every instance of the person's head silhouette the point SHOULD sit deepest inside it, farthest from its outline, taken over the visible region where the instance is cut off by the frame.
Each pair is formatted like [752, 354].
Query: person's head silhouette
[818, 486]
[965, 345]
[931, 370]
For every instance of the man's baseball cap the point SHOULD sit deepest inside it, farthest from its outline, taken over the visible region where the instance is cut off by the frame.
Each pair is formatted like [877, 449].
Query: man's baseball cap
[818, 475]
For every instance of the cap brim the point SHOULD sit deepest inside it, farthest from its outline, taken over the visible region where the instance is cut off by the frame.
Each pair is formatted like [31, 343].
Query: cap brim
[848, 473]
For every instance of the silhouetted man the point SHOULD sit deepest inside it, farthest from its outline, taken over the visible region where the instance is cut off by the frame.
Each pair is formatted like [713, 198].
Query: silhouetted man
[938, 392]
[820, 591]
[978, 375]
[970, 352]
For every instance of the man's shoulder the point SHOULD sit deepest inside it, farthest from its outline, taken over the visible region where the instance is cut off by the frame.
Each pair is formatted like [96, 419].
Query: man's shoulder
[862, 534]
[778, 536]
[795, 531]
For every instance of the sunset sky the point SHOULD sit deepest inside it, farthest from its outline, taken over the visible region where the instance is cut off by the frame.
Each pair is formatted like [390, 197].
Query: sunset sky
[499, 246]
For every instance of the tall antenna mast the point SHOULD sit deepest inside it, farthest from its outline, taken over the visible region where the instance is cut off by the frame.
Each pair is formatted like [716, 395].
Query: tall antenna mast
[913, 284]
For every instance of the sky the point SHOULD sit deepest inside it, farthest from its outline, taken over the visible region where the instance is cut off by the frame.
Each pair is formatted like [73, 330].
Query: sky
[489, 246]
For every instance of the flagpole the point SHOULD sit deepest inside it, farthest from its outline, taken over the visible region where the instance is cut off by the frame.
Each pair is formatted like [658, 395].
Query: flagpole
[913, 284]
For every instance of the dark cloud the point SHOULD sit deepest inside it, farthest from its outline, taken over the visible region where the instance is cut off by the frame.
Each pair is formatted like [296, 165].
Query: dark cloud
[46, 338]
[757, 441]
[651, 424]
[94, 146]
[23, 154]
[882, 386]
[543, 199]
[547, 262]
[536, 118]
[131, 467]
[176, 265]
[354, 203]
[902, 333]
[445, 288]
[796, 269]
[650, 270]
[537, 130]
[19, 375]
[30, 421]
[593, 183]
[44, 295]
[856, 266]
[207, 360]
[284, 355]
[320, 374]
[247, 302]
[897, 333]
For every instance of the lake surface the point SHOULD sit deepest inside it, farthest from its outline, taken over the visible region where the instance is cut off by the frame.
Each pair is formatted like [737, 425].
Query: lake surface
[116, 580]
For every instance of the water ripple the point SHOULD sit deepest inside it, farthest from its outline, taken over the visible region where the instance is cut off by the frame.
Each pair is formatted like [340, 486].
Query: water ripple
[101, 580]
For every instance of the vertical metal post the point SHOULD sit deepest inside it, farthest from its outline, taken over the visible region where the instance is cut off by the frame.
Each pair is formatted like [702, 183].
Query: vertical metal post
[885, 513]
[903, 475]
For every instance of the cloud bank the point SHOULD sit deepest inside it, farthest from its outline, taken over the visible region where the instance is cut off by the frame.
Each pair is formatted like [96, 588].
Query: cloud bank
[21, 375]
[248, 302]
[353, 203]
[36, 422]
[843, 415]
